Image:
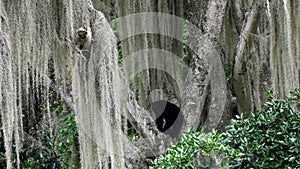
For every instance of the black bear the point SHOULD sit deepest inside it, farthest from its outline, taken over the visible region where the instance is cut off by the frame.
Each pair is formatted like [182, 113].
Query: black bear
[168, 117]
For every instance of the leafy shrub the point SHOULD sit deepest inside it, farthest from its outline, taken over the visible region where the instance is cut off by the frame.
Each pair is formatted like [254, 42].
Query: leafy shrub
[186, 153]
[64, 139]
[269, 138]
[45, 147]
[39, 151]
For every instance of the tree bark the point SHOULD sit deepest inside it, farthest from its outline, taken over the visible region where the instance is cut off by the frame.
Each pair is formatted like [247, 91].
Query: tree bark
[208, 61]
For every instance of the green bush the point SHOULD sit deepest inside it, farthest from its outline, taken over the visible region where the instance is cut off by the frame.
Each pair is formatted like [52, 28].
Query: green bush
[269, 138]
[186, 153]
[45, 147]
[63, 142]
[266, 139]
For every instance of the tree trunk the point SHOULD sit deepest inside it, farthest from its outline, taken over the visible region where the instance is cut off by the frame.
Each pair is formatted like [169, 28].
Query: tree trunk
[206, 65]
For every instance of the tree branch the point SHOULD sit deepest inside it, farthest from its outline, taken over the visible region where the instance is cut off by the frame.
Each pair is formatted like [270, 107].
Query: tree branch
[240, 77]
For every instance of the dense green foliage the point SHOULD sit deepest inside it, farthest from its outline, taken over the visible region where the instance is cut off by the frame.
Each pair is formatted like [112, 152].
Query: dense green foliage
[193, 145]
[266, 139]
[270, 138]
[57, 145]
[48, 146]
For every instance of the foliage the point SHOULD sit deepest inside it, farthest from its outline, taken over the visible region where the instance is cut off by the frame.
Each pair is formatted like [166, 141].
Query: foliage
[133, 136]
[114, 26]
[267, 139]
[185, 153]
[67, 136]
[48, 146]
[58, 146]
[120, 55]
[39, 153]
[270, 138]
[228, 73]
